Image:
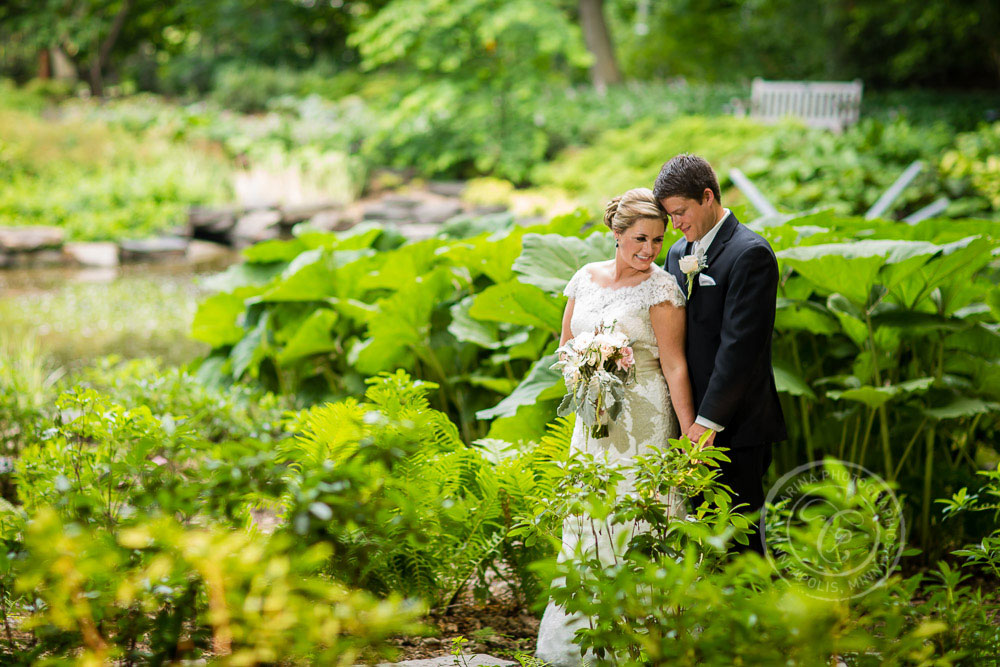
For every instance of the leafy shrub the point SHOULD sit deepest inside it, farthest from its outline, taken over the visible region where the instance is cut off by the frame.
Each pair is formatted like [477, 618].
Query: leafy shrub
[99, 182]
[404, 504]
[874, 350]
[27, 381]
[668, 593]
[164, 592]
[795, 167]
[316, 315]
[974, 161]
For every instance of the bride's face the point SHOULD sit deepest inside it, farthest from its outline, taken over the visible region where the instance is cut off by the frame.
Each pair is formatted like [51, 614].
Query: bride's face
[639, 245]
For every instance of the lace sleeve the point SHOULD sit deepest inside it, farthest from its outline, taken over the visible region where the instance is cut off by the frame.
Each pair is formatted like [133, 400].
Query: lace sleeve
[663, 287]
[574, 283]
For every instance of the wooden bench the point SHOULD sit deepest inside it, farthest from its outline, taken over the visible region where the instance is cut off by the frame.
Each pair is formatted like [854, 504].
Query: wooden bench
[827, 104]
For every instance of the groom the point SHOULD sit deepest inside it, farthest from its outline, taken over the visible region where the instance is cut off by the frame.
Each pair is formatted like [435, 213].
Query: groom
[730, 321]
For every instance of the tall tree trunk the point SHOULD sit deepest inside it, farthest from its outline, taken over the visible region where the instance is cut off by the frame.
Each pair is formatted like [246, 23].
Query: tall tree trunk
[101, 58]
[44, 64]
[605, 71]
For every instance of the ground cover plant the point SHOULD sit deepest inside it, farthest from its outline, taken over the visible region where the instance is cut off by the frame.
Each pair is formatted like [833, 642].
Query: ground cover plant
[796, 168]
[98, 181]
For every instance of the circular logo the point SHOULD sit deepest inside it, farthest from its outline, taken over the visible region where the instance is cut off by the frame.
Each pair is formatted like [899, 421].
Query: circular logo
[835, 527]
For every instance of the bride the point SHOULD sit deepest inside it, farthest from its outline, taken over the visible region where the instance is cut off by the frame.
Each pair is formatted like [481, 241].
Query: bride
[647, 305]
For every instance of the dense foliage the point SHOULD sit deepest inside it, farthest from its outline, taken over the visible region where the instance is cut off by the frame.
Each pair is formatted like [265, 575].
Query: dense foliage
[796, 168]
[886, 347]
[184, 46]
[99, 181]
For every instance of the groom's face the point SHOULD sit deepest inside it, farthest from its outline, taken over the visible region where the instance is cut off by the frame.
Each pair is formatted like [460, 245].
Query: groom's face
[692, 217]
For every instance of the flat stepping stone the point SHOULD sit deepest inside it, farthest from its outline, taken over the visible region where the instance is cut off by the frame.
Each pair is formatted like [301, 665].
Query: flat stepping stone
[27, 239]
[100, 254]
[387, 212]
[151, 250]
[447, 188]
[295, 213]
[256, 226]
[436, 212]
[474, 660]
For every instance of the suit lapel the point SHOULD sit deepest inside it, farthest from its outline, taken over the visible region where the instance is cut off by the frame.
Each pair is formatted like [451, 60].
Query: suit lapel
[726, 232]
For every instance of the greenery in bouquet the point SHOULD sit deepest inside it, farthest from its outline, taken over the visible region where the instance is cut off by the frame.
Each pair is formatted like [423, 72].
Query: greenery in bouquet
[596, 367]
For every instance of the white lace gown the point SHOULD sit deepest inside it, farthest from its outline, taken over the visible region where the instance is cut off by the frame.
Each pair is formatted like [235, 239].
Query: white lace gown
[648, 419]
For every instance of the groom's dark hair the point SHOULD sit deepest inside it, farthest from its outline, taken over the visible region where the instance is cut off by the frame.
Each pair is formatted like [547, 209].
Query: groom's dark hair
[687, 176]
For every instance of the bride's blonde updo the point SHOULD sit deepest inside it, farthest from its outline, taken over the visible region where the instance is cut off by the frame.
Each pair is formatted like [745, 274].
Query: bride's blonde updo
[637, 204]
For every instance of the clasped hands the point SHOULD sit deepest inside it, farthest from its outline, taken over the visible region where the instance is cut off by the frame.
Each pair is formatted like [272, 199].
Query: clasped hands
[696, 430]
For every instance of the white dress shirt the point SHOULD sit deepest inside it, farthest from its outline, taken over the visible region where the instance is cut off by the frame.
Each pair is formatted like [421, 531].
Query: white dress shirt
[700, 249]
[701, 245]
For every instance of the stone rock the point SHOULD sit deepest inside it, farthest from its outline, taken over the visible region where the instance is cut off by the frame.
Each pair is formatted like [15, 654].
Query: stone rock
[332, 221]
[211, 222]
[387, 212]
[206, 252]
[296, 213]
[474, 660]
[447, 188]
[103, 254]
[159, 249]
[256, 226]
[400, 201]
[489, 209]
[418, 231]
[436, 212]
[26, 239]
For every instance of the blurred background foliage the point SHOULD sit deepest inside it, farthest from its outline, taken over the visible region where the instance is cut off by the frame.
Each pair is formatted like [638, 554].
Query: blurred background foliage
[184, 47]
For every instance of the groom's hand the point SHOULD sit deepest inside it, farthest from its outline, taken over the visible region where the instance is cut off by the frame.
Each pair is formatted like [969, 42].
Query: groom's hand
[695, 432]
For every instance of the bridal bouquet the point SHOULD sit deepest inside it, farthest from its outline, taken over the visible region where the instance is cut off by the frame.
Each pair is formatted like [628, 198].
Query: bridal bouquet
[596, 367]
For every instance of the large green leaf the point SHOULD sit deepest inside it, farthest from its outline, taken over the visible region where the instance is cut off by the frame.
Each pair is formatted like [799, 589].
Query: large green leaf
[250, 350]
[401, 267]
[528, 424]
[852, 269]
[954, 264]
[312, 336]
[850, 317]
[962, 407]
[548, 261]
[875, 397]
[787, 381]
[215, 321]
[274, 250]
[243, 275]
[491, 255]
[805, 316]
[540, 383]
[517, 303]
[981, 340]
[469, 330]
[401, 324]
[567, 224]
[319, 274]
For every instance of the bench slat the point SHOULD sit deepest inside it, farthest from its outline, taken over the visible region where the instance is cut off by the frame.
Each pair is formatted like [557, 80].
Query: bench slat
[827, 104]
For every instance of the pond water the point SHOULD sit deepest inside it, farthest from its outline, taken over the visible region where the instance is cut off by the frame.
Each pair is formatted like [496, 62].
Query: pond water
[75, 316]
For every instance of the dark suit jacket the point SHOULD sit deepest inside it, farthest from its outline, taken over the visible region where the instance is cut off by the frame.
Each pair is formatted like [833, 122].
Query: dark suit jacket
[729, 330]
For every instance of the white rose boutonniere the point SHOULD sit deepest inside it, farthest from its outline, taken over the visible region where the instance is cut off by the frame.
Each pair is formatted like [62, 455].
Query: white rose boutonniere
[692, 265]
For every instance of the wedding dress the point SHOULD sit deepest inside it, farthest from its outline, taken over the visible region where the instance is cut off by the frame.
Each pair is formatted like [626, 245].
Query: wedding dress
[648, 419]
